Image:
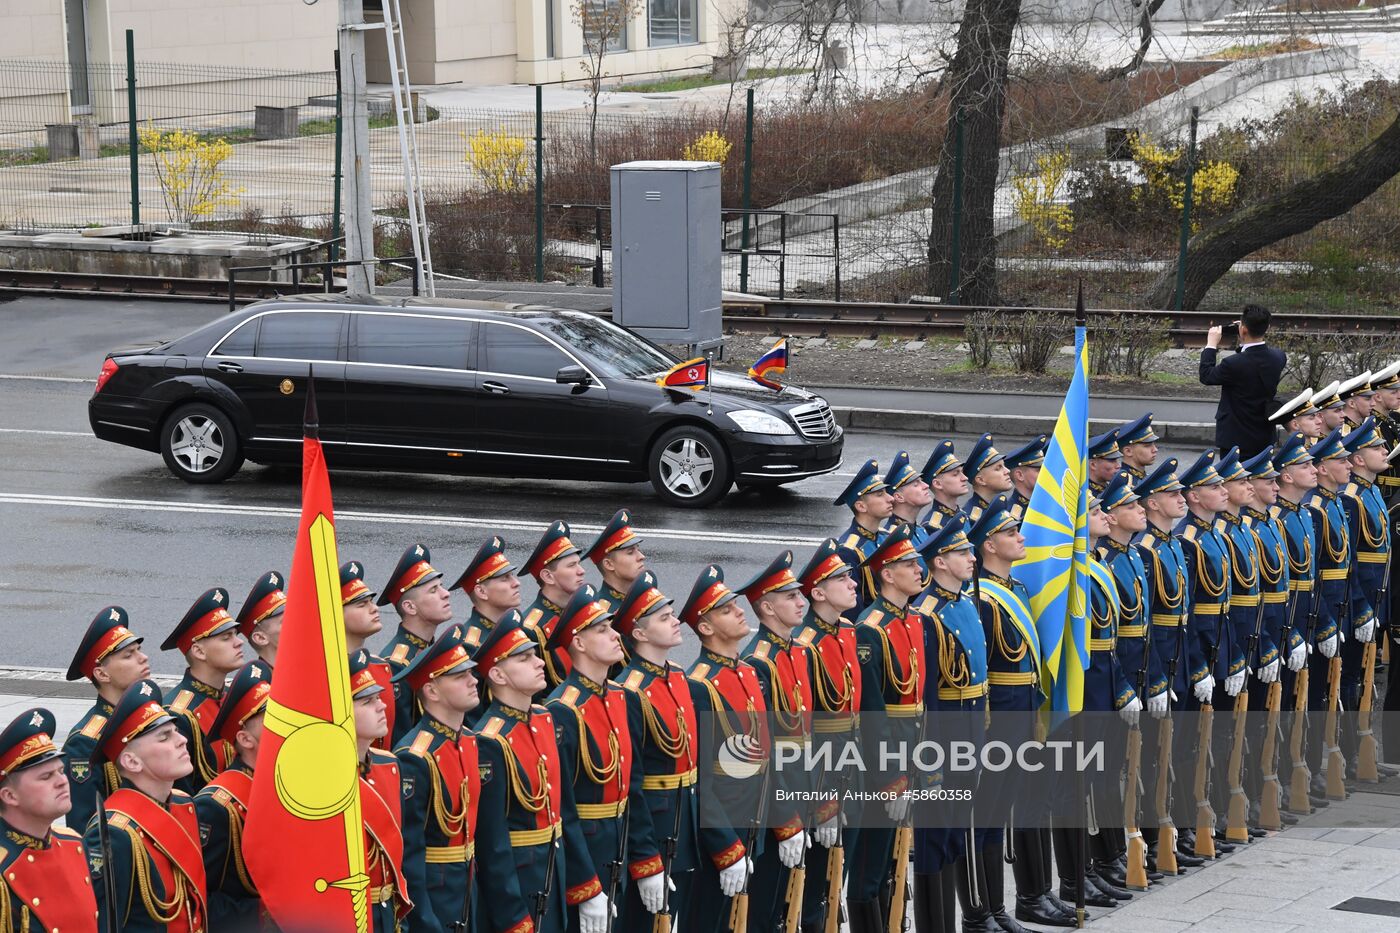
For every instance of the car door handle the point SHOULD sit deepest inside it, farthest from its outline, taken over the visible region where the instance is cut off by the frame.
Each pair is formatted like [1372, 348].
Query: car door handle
[496, 388]
[229, 366]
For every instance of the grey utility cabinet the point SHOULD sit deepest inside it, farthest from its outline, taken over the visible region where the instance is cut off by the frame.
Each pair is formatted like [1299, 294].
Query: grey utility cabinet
[666, 243]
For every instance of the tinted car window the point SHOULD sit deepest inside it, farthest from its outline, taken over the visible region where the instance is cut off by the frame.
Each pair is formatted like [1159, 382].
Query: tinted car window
[401, 340]
[517, 352]
[617, 352]
[300, 335]
[241, 341]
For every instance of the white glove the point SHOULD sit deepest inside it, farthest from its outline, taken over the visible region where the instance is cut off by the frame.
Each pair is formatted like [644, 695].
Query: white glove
[1131, 711]
[1205, 689]
[1235, 683]
[1269, 672]
[827, 833]
[1366, 633]
[731, 880]
[1157, 705]
[897, 809]
[593, 914]
[653, 892]
[1298, 657]
[1329, 647]
[790, 849]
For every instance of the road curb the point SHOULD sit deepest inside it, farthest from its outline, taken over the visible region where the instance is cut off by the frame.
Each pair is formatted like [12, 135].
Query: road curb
[1175, 433]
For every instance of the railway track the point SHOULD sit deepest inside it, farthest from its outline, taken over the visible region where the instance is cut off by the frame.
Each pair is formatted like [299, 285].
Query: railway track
[793, 318]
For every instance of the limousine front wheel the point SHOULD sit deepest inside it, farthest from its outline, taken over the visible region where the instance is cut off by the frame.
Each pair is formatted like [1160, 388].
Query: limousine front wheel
[689, 467]
[200, 445]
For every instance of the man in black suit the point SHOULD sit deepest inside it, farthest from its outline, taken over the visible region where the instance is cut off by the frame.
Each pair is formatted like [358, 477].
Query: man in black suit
[1248, 380]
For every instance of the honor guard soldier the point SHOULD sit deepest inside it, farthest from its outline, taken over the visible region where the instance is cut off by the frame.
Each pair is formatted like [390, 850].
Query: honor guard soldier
[946, 481]
[150, 845]
[1356, 395]
[1297, 477]
[1334, 557]
[592, 729]
[416, 592]
[380, 805]
[729, 707]
[208, 638]
[1105, 460]
[617, 553]
[910, 495]
[987, 476]
[1137, 442]
[871, 505]
[516, 745]
[222, 805]
[1330, 408]
[1013, 676]
[833, 669]
[493, 588]
[260, 617]
[956, 649]
[890, 646]
[110, 657]
[663, 838]
[1024, 464]
[781, 666]
[361, 623]
[1386, 410]
[44, 881]
[1298, 416]
[442, 794]
[557, 567]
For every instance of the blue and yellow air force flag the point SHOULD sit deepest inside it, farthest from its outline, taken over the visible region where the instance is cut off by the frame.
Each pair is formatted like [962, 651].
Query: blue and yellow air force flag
[1055, 569]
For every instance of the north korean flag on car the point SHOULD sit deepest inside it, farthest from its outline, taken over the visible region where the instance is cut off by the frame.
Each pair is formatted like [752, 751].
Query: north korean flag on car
[692, 374]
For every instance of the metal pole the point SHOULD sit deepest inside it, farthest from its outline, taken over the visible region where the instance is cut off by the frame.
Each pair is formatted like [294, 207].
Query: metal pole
[955, 253]
[836, 250]
[746, 199]
[539, 182]
[359, 214]
[782, 255]
[133, 138]
[333, 251]
[1186, 199]
[598, 237]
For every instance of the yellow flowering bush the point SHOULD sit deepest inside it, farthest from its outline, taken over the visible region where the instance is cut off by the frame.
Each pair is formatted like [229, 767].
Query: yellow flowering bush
[189, 170]
[1038, 191]
[1213, 187]
[709, 147]
[500, 159]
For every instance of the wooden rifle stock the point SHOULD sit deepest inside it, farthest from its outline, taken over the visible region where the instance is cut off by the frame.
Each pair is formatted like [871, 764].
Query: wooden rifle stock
[1270, 793]
[1366, 741]
[1336, 788]
[1205, 813]
[1302, 778]
[1166, 829]
[797, 880]
[835, 868]
[1237, 813]
[1137, 849]
[903, 843]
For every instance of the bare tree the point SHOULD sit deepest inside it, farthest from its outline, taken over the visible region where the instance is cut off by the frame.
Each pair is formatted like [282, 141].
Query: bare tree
[603, 23]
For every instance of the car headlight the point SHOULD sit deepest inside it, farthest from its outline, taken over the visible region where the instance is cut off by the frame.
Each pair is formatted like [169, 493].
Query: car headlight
[760, 422]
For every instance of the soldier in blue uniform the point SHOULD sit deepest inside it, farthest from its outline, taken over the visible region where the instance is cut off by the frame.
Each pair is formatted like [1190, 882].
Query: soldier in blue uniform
[260, 617]
[208, 638]
[493, 588]
[222, 805]
[1329, 407]
[110, 657]
[617, 553]
[1298, 416]
[1024, 464]
[516, 745]
[43, 872]
[947, 483]
[1105, 460]
[663, 850]
[416, 592]
[956, 648]
[557, 567]
[911, 496]
[1137, 442]
[987, 476]
[1356, 395]
[871, 505]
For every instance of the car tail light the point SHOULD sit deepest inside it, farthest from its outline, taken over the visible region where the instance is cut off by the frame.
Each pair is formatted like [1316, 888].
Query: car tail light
[109, 369]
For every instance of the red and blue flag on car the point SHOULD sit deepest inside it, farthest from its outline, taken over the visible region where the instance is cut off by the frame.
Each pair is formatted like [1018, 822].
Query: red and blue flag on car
[773, 363]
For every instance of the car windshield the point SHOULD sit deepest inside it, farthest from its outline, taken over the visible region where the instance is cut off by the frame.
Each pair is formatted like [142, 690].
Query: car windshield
[618, 352]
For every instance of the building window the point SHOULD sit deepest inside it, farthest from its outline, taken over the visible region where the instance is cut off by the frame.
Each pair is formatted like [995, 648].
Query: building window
[604, 18]
[670, 22]
[79, 91]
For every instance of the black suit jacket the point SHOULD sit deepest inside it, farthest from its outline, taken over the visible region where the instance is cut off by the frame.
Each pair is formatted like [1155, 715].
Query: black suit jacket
[1248, 383]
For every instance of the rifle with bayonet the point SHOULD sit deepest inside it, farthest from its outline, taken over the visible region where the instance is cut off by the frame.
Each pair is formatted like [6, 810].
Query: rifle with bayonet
[662, 921]
[1166, 829]
[1336, 765]
[1137, 848]
[1237, 813]
[1366, 769]
[1270, 790]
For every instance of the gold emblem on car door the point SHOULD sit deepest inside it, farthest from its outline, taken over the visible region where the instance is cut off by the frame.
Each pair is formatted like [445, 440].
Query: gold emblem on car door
[286, 387]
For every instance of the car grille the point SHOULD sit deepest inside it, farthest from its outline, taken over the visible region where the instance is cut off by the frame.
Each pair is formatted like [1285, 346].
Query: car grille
[814, 420]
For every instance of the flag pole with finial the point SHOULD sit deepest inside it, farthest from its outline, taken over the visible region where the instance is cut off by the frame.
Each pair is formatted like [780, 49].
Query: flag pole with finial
[1082, 835]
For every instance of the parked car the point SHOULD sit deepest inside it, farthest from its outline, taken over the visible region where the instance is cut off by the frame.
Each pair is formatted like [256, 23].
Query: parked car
[443, 386]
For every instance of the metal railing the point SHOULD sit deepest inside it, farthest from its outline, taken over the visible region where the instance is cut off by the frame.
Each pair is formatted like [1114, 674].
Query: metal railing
[296, 266]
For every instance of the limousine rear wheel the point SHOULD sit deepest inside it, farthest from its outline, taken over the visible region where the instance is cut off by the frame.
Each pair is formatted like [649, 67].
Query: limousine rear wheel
[200, 445]
[689, 467]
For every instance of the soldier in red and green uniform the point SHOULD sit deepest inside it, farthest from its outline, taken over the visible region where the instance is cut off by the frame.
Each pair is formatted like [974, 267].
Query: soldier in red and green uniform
[208, 638]
[380, 806]
[361, 623]
[493, 588]
[617, 553]
[260, 617]
[416, 592]
[557, 567]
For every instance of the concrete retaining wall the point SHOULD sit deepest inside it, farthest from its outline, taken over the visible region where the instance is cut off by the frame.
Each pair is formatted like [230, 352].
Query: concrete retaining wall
[1176, 433]
[199, 257]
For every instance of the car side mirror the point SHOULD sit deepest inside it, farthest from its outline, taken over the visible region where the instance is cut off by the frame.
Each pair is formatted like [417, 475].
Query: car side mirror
[573, 375]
